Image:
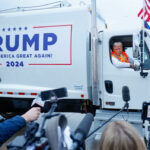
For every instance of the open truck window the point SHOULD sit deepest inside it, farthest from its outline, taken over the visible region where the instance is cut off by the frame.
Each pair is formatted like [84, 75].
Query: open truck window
[127, 42]
[126, 46]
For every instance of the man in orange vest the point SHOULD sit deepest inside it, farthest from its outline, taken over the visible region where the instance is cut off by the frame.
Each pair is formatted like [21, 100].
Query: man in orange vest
[119, 58]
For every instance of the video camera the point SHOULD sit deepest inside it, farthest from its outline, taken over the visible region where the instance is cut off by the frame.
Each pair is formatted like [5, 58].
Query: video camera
[35, 136]
[55, 135]
[146, 111]
[146, 123]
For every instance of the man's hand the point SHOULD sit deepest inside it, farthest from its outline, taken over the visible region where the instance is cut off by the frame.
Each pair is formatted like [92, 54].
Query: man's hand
[32, 114]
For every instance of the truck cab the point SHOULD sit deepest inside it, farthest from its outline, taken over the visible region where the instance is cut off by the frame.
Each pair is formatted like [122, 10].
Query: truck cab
[114, 78]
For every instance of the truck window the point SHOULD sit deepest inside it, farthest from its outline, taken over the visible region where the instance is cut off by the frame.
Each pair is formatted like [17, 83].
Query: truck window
[128, 49]
[126, 42]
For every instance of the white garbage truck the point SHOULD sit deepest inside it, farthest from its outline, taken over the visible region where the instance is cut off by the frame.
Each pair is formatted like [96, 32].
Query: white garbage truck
[51, 44]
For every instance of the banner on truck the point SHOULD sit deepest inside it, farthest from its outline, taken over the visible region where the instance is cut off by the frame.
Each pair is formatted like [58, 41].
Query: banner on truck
[36, 45]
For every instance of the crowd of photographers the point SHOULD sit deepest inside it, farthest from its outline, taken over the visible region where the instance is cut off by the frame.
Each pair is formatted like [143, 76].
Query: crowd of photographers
[118, 135]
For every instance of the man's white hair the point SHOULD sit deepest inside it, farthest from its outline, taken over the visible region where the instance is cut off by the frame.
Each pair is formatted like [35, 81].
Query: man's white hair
[117, 44]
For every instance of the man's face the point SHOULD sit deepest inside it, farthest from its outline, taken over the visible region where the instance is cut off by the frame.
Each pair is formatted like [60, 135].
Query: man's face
[117, 49]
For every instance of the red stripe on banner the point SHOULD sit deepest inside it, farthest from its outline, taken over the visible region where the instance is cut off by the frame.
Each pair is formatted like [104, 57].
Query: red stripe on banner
[49, 64]
[1, 92]
[52, 26]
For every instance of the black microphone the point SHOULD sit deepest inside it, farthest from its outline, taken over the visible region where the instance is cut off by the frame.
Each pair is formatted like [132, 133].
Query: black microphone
[37, 102]
[58, 93]
[82, 130]
[125, 93]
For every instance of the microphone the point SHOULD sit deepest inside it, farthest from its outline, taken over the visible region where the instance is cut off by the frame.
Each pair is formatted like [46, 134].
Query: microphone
[37, 102]
[82, 130]
[125, 94]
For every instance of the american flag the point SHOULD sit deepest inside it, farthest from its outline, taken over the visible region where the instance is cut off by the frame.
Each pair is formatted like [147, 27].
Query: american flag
[146, 11]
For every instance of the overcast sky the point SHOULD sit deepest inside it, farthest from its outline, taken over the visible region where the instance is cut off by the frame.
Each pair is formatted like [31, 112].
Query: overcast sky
[107, 8]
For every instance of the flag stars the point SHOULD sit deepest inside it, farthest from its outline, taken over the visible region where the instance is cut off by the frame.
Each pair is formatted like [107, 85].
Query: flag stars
[14, 29]
[8, 29]
[3, 29]
[20, 28]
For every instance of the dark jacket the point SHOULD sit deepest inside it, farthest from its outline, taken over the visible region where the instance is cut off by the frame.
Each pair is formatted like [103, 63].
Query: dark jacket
[10, 127]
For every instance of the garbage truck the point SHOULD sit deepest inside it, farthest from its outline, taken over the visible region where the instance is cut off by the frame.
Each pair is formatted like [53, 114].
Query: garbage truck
[52, 44]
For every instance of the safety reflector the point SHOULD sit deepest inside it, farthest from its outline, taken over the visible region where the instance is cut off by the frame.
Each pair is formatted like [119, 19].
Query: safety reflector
[82, 95]
[33, 93]
[18, 93]
[10, 93]
[21, 93]
[110, 103]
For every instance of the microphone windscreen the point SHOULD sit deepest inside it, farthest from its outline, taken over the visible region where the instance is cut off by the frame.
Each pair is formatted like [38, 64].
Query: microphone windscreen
[125, 93]
[84, 126]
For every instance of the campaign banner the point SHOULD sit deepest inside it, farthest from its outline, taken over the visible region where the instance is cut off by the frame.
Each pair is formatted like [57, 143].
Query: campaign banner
[35, 45]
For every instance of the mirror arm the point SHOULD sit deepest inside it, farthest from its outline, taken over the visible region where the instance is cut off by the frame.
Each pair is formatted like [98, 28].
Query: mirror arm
[142, 73]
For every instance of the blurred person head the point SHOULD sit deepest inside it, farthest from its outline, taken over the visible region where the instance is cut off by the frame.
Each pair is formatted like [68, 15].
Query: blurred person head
[118, 48]
[121, 135]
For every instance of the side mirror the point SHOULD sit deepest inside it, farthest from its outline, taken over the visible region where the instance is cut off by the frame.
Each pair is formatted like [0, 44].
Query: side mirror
[136, 48]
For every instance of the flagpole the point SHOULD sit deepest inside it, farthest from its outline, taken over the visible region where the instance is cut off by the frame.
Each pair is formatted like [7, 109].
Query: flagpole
[143, 26]
[142, 73]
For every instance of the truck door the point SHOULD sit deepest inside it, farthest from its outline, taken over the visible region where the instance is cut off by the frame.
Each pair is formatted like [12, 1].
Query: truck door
[114, 78]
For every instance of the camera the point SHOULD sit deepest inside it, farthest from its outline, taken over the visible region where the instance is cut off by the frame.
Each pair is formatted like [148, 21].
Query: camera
[146, 111]
[38, 136]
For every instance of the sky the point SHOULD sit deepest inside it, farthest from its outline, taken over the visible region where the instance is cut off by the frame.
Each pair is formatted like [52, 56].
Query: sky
[109, 9]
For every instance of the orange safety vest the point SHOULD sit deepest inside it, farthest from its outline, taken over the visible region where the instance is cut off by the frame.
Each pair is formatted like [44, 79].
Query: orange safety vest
[123, 57]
